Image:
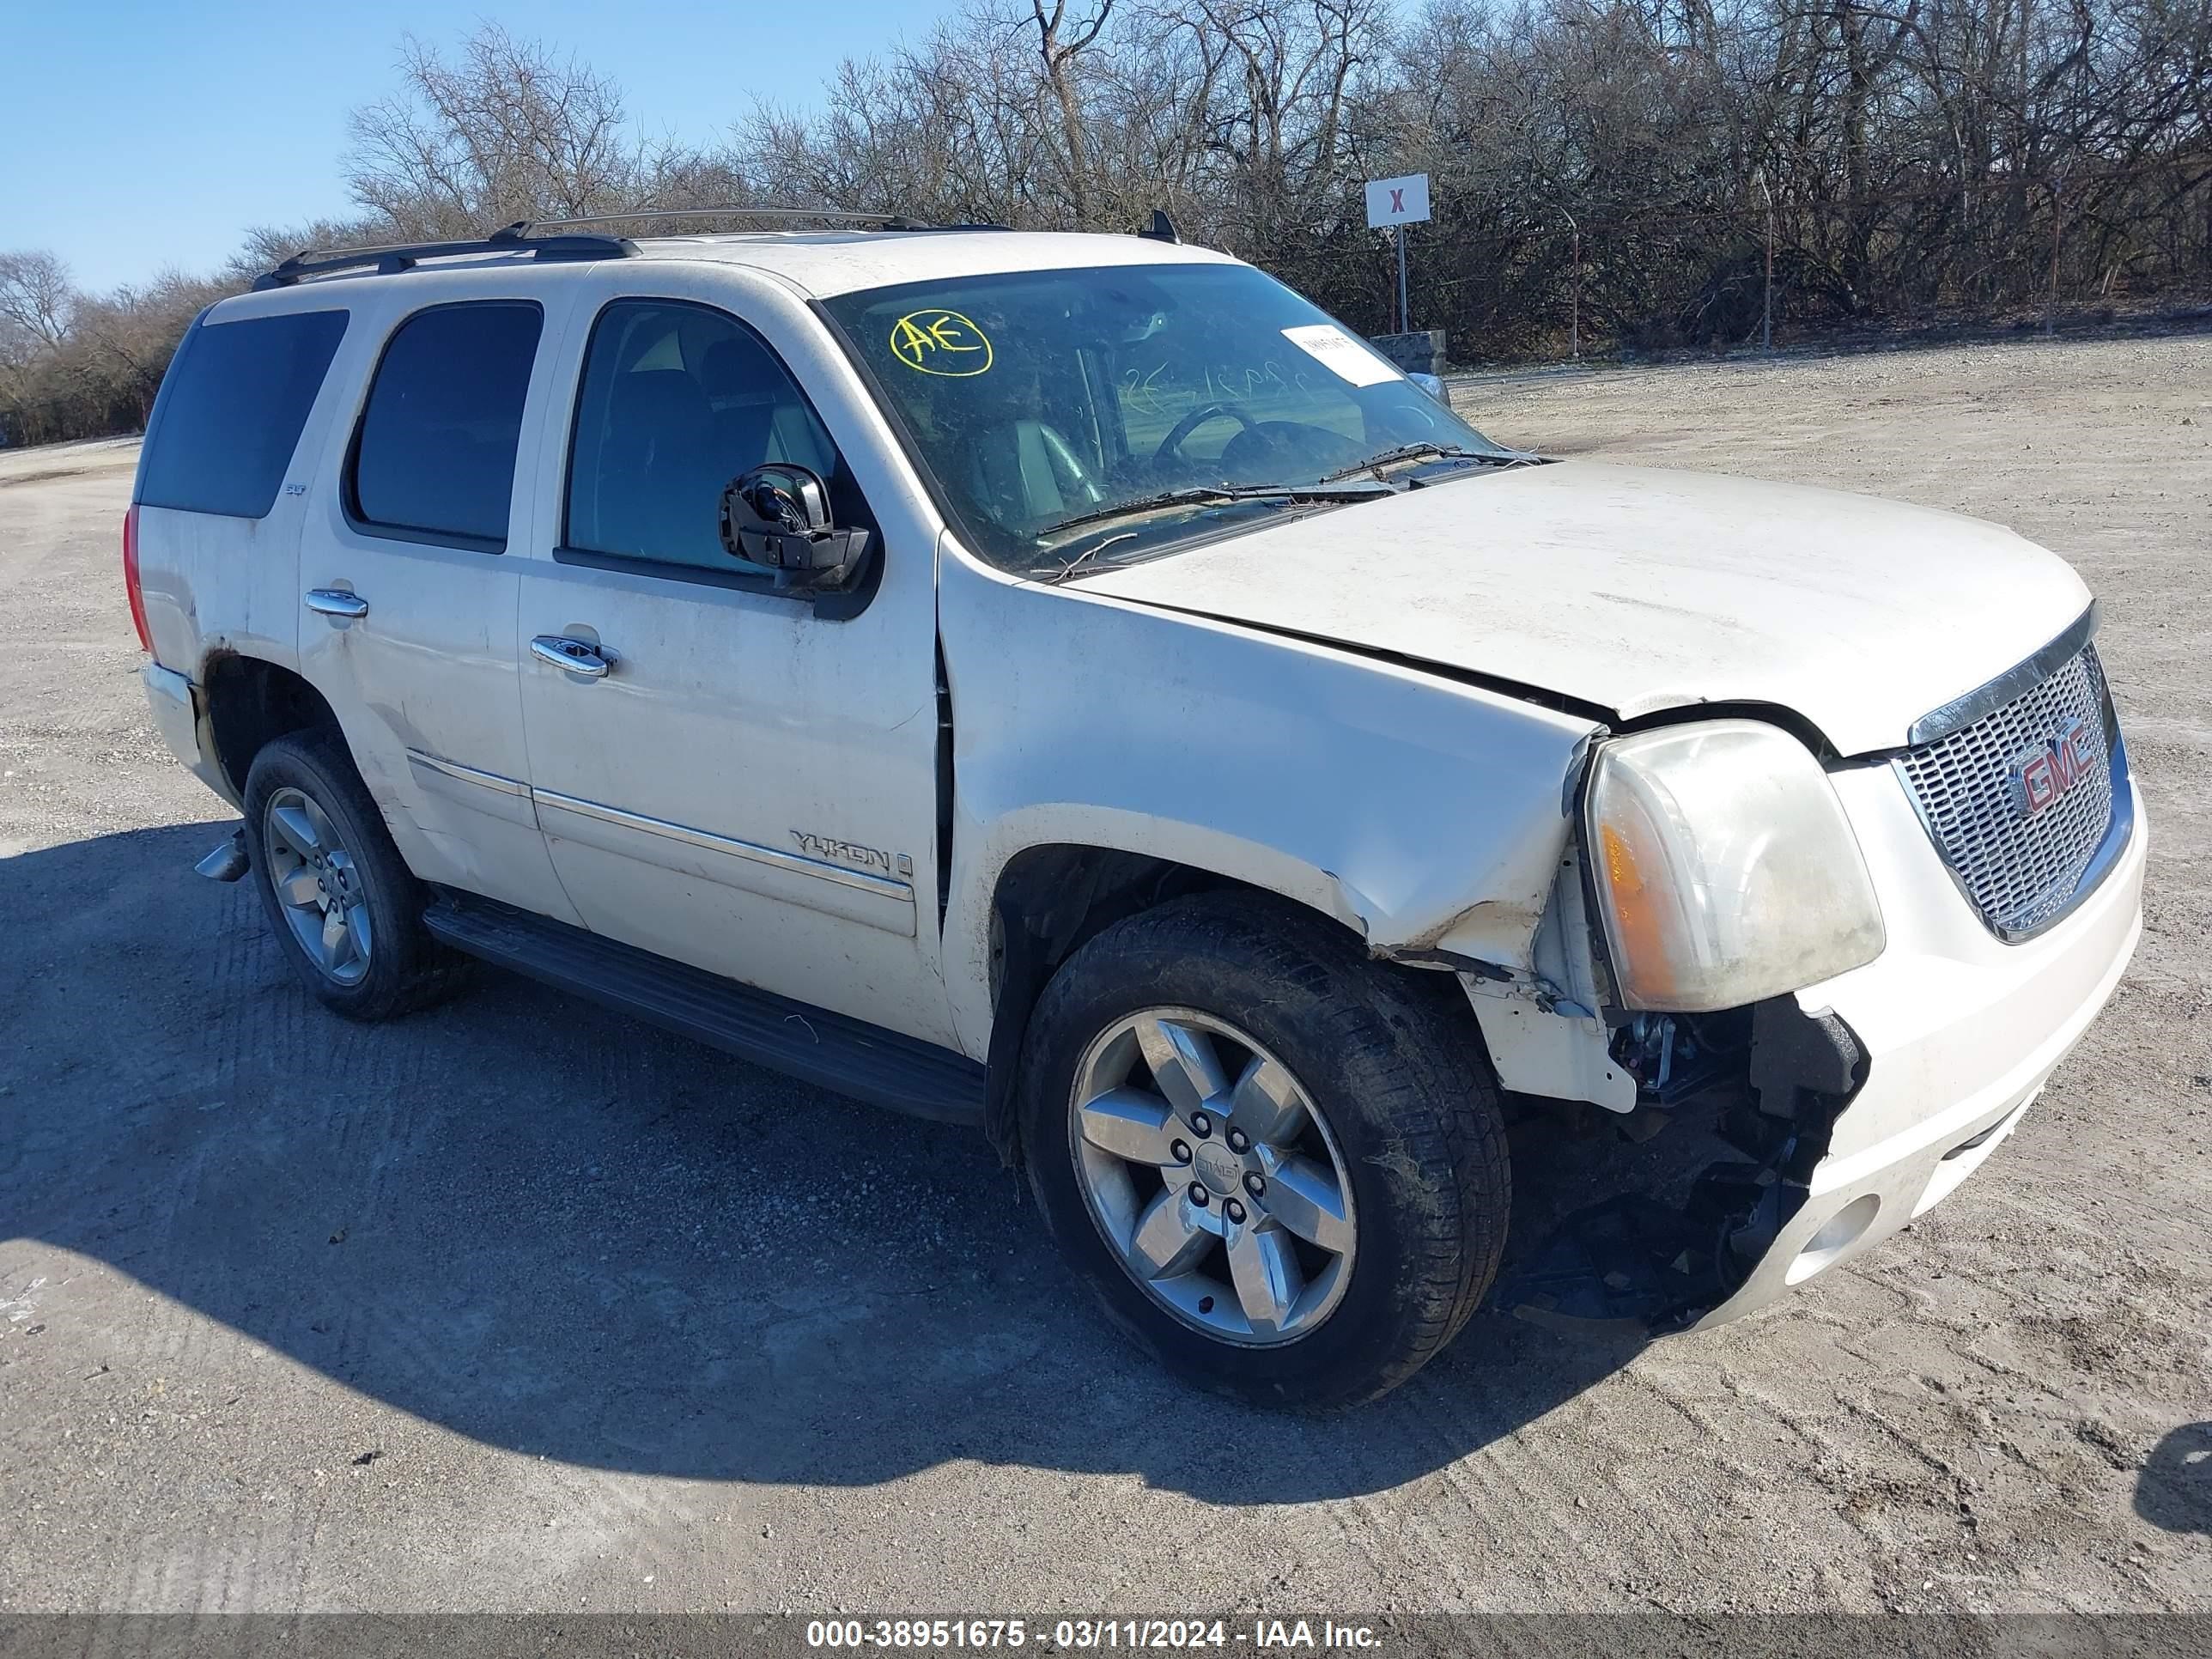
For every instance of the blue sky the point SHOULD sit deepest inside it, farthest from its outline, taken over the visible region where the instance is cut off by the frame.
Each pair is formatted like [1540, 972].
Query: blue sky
[145, 135]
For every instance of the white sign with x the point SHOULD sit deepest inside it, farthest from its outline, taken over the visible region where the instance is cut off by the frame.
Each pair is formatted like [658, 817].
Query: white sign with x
[1398, 200]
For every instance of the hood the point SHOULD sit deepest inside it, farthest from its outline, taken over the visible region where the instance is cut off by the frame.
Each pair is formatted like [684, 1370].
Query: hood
[1640, 590]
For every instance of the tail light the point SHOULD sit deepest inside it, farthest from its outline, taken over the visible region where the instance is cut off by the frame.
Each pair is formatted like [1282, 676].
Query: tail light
[130, 578]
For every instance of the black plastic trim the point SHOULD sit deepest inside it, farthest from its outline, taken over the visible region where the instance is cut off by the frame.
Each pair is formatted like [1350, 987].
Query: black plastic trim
[675, 570]
[1025, 966]
[829, 603]
[832, 1051]
[400, 532]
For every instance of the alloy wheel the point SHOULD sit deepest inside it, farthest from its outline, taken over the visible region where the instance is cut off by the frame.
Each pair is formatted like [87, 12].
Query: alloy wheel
[319, 885]
[1213, 1176]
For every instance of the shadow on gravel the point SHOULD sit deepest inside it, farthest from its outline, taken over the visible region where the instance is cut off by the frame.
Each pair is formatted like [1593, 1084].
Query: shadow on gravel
[559, 1232]
[2175, 1490]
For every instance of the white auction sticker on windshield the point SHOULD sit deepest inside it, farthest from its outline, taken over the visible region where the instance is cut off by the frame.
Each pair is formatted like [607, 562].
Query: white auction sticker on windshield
[1328, 344]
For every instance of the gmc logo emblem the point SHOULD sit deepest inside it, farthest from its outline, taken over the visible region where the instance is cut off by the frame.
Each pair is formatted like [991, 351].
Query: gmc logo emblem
[2042, 777]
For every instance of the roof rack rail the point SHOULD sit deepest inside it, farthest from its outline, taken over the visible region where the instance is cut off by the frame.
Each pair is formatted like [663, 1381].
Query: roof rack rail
[389, 258]
[834, 216]
[386, 258]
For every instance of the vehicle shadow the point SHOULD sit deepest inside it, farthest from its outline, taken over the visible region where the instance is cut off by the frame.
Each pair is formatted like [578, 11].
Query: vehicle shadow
[556, 1230]
[2174, 1490]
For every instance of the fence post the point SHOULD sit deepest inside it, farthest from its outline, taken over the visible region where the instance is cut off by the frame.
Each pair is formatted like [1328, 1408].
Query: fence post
[2050, 299]
[1574, 311]
[1766, 302]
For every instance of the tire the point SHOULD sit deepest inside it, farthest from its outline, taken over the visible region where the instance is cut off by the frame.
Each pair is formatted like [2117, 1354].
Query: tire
[387, 965]
[1409, 1130]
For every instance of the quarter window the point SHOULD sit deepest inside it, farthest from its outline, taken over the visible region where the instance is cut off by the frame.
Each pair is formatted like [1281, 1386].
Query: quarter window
[231, 409]
[677, 399]
[435, 457]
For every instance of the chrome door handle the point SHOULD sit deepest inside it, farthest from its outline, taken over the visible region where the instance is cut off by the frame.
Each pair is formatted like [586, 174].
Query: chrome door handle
[337, 602]
[576, 656]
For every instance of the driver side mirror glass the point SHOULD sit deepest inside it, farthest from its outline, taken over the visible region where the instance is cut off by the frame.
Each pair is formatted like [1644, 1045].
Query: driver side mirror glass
[777, 518]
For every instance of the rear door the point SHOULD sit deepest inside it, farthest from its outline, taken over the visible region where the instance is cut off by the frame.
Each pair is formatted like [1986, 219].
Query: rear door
[409, 591]
[752, 786]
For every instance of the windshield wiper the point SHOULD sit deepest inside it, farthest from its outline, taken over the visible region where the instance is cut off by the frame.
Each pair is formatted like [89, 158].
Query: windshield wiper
[1328, 489]
[1431, 452]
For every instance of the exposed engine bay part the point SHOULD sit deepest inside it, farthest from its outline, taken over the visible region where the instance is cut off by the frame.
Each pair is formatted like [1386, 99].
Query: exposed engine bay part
[1633, 1262]
[1675, 1057]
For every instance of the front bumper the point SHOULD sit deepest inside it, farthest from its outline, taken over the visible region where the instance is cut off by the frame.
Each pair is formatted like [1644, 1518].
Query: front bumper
[180, 716]
[1960, 1030]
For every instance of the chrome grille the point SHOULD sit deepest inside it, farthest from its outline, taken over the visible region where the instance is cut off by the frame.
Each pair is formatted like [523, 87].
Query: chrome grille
[2021, 871]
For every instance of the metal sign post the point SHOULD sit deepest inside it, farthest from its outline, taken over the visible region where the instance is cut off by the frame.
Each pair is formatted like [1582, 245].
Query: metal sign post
[1403, 325]
[1397, 203]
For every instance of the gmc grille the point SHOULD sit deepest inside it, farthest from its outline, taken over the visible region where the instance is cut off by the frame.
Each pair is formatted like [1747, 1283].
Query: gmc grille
[2022, 873]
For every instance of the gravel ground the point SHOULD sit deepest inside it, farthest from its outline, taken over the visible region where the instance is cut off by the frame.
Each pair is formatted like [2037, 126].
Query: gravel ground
[519, 1305]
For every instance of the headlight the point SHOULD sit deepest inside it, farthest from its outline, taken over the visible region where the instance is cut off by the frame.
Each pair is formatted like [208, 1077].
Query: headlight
[1725, 869]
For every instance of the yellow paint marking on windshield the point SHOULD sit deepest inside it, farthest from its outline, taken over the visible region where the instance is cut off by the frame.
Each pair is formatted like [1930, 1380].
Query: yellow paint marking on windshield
[937, 342]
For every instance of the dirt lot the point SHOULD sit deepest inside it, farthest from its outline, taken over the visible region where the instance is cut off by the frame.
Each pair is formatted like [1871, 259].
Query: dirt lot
[518, 1305]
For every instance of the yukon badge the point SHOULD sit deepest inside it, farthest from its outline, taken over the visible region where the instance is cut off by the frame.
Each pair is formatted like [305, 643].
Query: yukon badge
[830, 850]
[2042, 776]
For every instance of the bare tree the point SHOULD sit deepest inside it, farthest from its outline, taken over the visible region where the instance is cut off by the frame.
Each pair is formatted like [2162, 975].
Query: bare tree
[1061, 43]
[1639, 165]
[35, 296]
[507, 130]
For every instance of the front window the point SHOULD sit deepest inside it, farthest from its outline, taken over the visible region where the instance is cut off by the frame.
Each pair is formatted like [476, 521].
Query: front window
[1053, 410]
[677, 400]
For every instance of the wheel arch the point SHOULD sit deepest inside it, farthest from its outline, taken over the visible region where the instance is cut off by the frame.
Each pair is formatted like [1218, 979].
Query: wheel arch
[1050, 898]
[250, 701]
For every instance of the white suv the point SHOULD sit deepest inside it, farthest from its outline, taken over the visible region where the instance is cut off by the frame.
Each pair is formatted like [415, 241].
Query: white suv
[1068, 685]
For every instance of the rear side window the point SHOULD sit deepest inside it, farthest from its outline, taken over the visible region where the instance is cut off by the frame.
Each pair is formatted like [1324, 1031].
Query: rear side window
[231, 408]
[434, 458]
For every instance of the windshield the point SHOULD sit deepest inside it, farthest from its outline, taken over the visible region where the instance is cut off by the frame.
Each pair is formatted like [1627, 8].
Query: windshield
[1053, 410]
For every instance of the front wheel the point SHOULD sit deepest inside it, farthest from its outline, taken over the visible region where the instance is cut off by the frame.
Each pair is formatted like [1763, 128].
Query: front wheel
[1281, 1166]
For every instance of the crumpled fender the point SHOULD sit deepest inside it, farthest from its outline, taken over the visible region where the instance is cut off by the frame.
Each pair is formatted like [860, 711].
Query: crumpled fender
[1426, 812]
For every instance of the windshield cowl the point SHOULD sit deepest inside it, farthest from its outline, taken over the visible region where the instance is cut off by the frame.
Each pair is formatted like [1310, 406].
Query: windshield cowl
[1207, 496]
[1440, 456]
[1187, 522]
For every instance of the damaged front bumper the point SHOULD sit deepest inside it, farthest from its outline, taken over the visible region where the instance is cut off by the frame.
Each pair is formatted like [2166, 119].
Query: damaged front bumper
[1960, 1031]
[1877, 1092]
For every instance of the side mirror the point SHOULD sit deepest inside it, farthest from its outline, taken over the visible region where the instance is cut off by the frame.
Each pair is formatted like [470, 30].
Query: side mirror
[777, 517]
[1433, 387]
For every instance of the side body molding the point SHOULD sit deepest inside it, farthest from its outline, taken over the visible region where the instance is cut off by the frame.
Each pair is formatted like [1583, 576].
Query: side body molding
[818, 883]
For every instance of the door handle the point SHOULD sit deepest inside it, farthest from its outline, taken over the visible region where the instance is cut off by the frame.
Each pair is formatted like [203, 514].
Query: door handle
[337, 602]
[575, 657]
